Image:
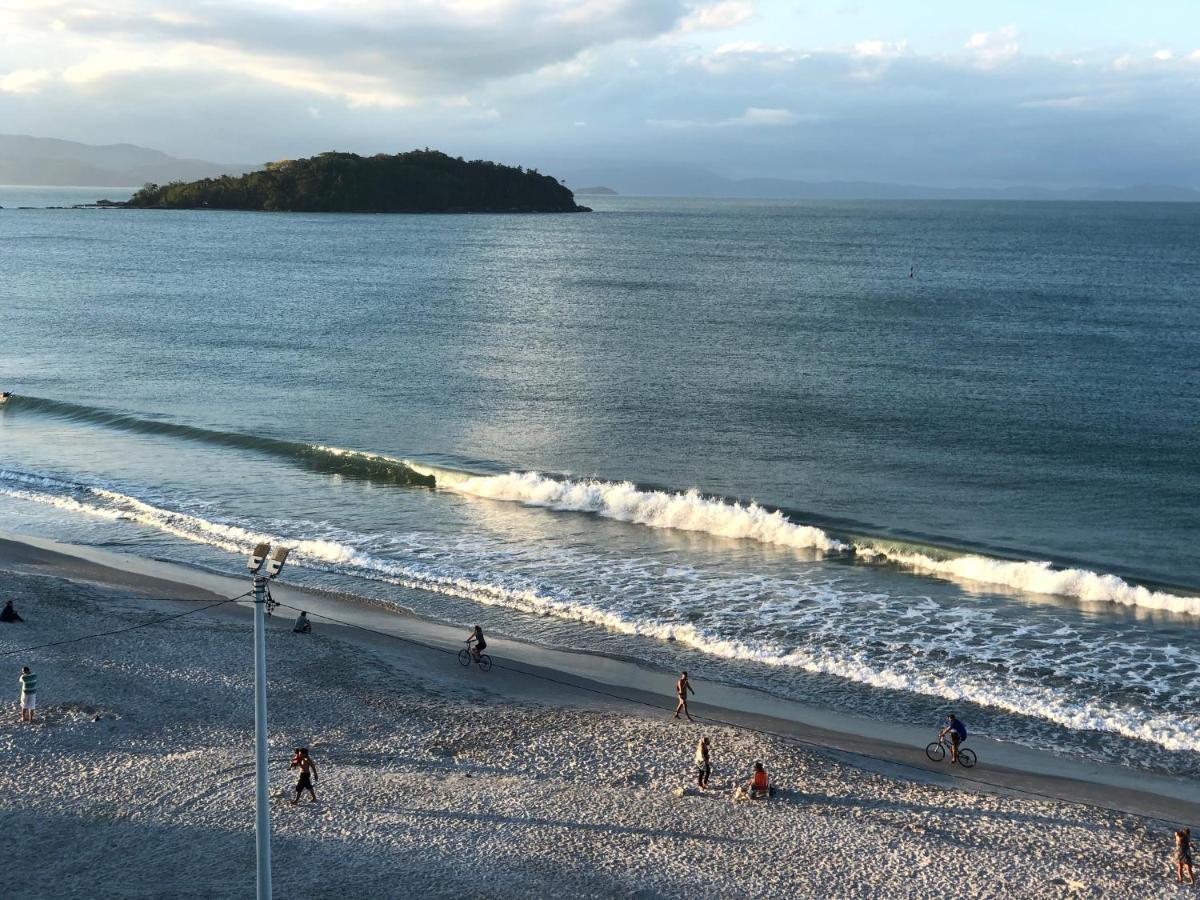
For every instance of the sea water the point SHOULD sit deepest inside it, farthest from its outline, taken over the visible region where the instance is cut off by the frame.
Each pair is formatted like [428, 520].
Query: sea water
[734, 437]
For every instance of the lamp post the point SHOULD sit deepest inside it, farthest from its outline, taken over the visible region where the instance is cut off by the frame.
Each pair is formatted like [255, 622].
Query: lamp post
[262, 821]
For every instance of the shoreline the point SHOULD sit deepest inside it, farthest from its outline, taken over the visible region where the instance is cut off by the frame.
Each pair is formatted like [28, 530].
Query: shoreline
[596, 680]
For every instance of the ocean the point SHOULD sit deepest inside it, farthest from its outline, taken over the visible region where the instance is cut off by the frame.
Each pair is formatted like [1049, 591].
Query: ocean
[729, 436]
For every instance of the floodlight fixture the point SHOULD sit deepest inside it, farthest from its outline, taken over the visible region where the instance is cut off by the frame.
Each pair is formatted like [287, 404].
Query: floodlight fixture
[275, 563]
[257, 556]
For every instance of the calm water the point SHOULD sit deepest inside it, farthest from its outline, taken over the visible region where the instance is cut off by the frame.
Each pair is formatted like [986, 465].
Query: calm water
[979, 485]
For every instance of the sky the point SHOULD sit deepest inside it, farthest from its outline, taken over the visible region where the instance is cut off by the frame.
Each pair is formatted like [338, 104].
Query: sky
[1054, 94]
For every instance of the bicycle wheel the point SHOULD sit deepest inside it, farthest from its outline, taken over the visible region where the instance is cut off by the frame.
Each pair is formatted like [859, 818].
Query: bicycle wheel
[936, 751]
[464, 657]
[485, 662]
[966, 758]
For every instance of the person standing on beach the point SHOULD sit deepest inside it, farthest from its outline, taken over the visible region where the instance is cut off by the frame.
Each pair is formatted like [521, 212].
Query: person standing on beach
[1183, 855]
[703, 764]
[308, 774]
[28, 694]
[682, 686]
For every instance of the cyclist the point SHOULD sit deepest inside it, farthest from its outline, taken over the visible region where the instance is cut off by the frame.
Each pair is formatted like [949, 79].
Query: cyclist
[957, 732]
[480, 643]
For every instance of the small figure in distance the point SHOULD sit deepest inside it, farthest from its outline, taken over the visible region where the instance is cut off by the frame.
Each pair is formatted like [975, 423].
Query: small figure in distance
[302, 626]
[760, 784]
[703, 764]
[28, 694]
[682, 686]
[8, 614]
[957, 732]
[308, 774]
[479, 643]
[910, 271]
[1183, 855]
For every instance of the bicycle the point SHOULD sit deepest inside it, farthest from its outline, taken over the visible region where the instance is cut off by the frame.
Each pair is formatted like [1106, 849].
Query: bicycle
[937, 752]
[466, 657]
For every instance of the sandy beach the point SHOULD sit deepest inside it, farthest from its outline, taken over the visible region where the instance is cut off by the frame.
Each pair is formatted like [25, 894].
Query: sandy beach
[534, 779]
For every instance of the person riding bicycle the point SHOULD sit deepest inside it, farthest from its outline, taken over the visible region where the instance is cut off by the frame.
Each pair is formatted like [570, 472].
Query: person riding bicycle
[480, 643]
[957, 732]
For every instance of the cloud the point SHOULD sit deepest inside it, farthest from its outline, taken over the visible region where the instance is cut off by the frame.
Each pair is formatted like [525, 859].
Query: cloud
[24, 81]
[753, 115]
[718, 16]
[991, 48]
[372, 52]
[881, 49]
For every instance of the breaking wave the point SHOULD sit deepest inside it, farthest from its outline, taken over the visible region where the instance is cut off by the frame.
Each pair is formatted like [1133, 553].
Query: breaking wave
[1172, 731]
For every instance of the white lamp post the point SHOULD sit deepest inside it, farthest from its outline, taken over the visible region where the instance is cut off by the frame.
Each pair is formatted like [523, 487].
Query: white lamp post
[262, 822]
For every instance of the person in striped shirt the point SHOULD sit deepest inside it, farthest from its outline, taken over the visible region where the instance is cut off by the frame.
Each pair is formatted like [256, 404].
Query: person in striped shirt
[28, 694]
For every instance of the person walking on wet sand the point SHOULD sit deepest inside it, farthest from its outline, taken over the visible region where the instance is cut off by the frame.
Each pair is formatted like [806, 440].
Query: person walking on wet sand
[28, 694]
[682, 686]
[308, 774]
[703, 764]
[1183, 855]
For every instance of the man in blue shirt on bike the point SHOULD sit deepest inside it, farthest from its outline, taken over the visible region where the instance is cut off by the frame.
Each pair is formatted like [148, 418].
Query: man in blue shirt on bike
[957, 732]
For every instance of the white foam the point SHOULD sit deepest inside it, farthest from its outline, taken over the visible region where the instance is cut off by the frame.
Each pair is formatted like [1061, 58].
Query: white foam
[625, 502]
[1173, 732]
[1039, 577]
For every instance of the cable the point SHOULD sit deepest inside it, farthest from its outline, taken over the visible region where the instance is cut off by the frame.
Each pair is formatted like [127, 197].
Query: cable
[99, 634]
[715, 721]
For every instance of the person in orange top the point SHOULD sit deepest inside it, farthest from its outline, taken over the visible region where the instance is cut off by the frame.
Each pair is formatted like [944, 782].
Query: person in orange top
[760, 783]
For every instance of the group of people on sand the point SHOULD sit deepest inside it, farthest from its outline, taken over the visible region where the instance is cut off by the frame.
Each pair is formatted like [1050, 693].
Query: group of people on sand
[758, 788]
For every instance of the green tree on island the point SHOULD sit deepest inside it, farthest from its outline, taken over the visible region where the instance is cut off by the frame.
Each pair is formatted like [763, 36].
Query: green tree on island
[418, 181]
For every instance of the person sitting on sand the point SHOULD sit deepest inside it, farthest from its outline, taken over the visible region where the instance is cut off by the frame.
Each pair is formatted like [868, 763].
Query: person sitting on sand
[760, 783]
[703, 765]
[8, 614]
[957, 732]
[308, 774]
[302, 626]
[682, 686]
[1183, 855]
[476, 638]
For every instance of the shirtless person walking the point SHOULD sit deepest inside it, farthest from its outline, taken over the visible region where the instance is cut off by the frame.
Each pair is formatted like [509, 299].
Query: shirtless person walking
[681, 691]
[308, 774]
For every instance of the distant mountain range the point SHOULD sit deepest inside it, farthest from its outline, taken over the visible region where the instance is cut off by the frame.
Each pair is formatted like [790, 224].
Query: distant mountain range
[48, 161]
[654, 180]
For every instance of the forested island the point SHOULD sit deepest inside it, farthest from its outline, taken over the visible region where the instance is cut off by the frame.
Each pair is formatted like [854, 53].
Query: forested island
[421, 181]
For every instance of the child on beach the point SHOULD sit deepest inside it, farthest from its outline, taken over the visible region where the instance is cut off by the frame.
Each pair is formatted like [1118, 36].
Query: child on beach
[308, 774]
[302, 626]
[681, 691]
[1183, 855]
[703, 766]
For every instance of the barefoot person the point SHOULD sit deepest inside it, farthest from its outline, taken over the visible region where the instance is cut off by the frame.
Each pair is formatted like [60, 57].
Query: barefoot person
[28, 694]
[760, 783]
[682, 686]
[308, 774]
[1183, 855]
[703, 764]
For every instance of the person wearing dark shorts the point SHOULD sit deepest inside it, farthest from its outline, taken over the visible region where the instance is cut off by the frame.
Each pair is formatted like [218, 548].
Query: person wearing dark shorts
[1183, 855]
[476, 638]
[308, 774]
[703, 764]
[957, 732]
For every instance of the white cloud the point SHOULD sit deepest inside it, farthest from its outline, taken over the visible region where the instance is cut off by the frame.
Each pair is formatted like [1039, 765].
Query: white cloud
[1164, 55]
[991, 48]
[881, 49]
[752, 115]
[1076, 102]
[718, 16]
[24, 81]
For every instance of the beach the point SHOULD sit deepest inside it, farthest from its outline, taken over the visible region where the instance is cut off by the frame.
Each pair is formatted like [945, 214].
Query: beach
[436, 780]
